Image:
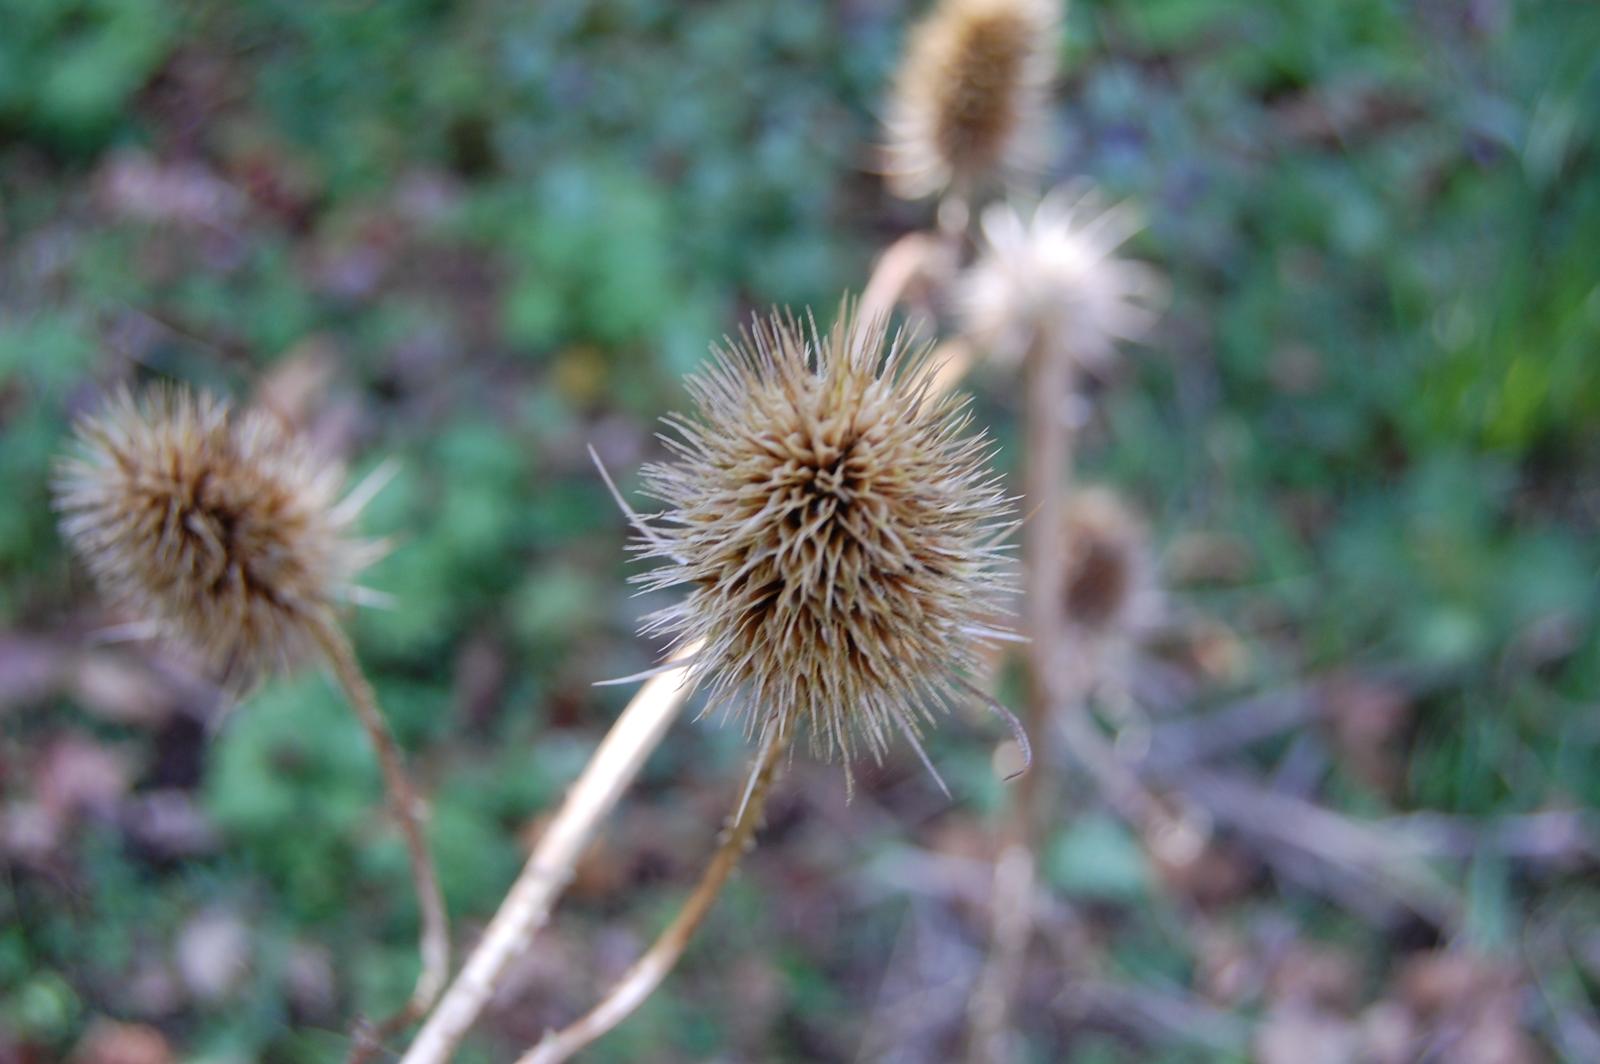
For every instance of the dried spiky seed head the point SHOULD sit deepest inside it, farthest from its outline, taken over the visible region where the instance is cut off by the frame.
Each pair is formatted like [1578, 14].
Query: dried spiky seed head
[1057, 276]
[1108, 567]
[969, 100]
[832, 519]
[222, 530]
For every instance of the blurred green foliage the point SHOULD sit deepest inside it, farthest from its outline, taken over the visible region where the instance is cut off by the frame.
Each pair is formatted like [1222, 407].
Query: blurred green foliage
[68, 70]
[1377, 376]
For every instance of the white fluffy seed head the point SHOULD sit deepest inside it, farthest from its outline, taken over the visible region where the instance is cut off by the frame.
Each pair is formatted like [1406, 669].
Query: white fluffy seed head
[832, 522]
[970, 100]
[1058, 274]
[222, 530]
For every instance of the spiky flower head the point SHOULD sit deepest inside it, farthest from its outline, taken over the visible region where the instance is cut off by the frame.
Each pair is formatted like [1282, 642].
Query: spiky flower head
[1110, 579]
[969, 100]
[1058, 275]
[219, 529]
[831, 518]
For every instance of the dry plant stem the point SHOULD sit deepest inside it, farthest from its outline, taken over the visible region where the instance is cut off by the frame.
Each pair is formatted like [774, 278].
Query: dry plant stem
[1048, 462]
[526, 908]
[646, 974]
[900, 265]
[928, 257]
[1011, 923]
[407, 809]
[953, 359]
[1048, 467]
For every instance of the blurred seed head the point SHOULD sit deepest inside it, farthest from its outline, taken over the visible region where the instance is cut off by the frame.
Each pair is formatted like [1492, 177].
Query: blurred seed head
[1057, 276]
[969, 101]
[831, 519]
[1110, 573]
[221, 529]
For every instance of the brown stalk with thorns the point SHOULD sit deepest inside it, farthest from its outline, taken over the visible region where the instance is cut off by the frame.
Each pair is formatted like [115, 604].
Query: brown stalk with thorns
[225, 532]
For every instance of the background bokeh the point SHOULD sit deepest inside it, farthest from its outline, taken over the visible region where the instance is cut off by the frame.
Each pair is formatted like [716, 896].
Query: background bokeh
[479, 237]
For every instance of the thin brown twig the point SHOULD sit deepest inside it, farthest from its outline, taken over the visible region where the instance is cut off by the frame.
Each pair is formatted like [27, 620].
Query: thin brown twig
[408, 811]
[621, 754]
[646, 974]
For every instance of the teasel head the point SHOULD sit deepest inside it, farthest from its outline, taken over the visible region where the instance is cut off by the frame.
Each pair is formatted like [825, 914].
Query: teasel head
[970, 99]
[218, 529]
[832, 520]
[1057, 278]
[1111, 587]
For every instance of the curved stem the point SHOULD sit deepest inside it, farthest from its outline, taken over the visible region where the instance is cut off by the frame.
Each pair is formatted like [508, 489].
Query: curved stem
[407, 809]
[902, 263]
[953, 358]
[548, 870]
[646, 974]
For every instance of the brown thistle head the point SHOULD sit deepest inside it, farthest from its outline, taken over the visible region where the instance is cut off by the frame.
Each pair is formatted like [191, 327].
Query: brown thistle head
[969, 100]
[222, 530]
[831, 519]
[1108, 566]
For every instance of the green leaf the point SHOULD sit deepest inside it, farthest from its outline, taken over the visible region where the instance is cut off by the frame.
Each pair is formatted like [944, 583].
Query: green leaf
[1097, 858]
